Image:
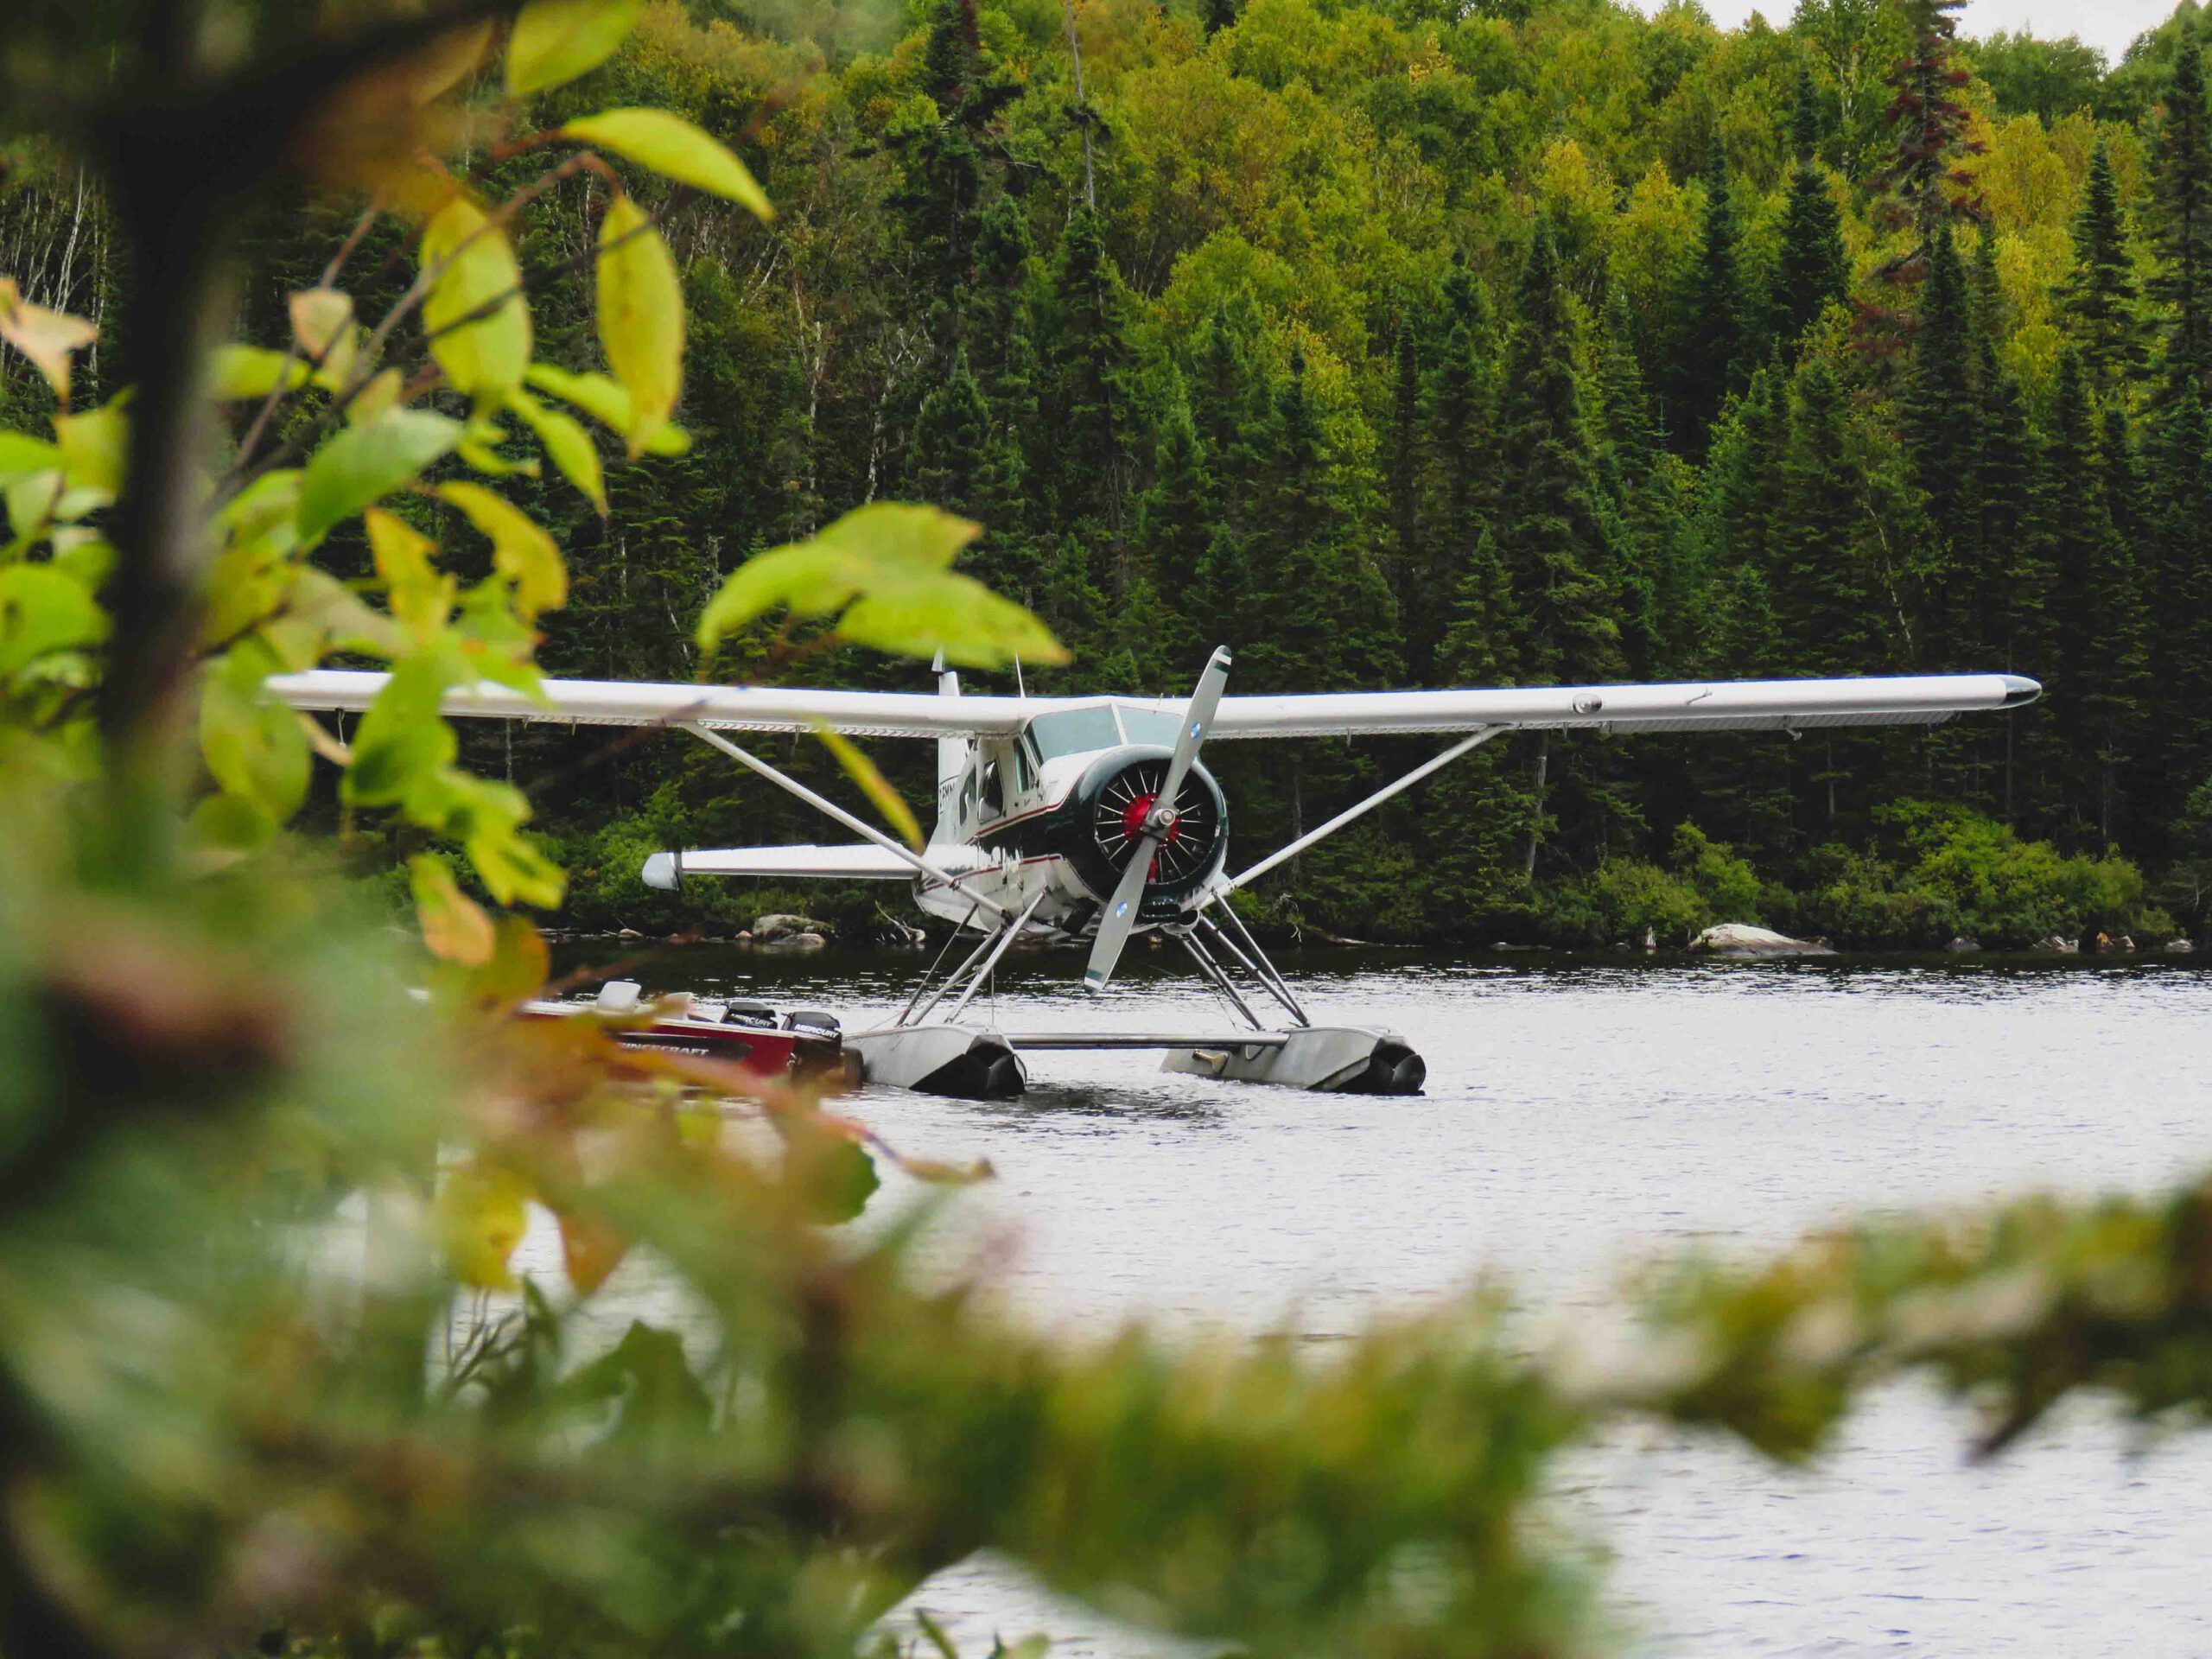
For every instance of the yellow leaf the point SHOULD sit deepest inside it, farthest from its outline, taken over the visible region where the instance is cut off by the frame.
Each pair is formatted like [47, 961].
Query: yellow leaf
[45, 337]
[482, 1215]
[487, 355]
[566, 444]
[640, 317]
[323, 326]
[556, 40]
[675, 148]
[442, 65]
[455, 927]
[381, 393]
[862, 771]
[520, 549]
[590, 1250]
[605, 402]
[420, 596]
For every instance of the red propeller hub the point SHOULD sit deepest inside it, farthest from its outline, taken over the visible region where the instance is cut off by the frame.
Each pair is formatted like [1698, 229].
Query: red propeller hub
[1135, 814]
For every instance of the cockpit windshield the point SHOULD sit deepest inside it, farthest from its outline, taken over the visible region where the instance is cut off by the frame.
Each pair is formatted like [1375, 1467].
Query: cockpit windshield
[1150, 725]
[1072, 731]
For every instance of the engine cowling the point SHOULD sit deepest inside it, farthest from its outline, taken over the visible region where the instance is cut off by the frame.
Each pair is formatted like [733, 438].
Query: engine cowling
[1106, 811]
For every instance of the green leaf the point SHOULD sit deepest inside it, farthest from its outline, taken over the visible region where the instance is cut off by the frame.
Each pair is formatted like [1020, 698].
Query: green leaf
[22, 456]
[640, 317]
[236, 372]
[675, 148]
[402, 741]
[224, 822]
[566, 444]
[43, 611]
[556, 40]
[365, 463]
[322, 614]
[486, 818]
[95, 448]
[485, 358]
[33, 500]
[254, 747]
[520, 548]
[882, 570]
[862, 771]
[835, 1176]
[606, 402]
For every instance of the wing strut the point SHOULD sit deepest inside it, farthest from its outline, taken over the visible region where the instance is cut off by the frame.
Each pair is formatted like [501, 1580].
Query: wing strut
[1435, 764]
[822, 803]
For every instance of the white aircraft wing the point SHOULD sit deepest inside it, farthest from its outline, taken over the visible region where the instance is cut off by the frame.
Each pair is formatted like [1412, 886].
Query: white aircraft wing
[1717, 705]
[861, 862]
[724, 708]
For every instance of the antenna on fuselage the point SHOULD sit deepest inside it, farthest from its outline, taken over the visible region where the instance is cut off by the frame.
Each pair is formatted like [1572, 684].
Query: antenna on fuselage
[1019, 689]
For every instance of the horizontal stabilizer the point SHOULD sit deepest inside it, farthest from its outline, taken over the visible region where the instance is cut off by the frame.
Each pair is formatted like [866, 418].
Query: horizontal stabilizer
[861, 862]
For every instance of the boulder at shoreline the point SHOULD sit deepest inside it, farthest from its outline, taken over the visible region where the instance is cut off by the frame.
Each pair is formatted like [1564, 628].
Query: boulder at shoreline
[1742, 939]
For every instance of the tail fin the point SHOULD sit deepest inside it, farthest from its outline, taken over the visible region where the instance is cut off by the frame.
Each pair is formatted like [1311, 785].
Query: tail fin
[952, 752]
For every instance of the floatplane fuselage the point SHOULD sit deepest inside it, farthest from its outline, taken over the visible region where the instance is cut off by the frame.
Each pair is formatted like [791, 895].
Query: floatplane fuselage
[1064, 819]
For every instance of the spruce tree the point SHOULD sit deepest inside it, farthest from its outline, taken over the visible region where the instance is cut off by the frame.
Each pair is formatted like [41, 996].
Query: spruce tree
[1708, 349]
[1462, 431]
[2081, 551]
[1930, 138]
[1641, 525]
[1328, 615]
[1553, 535]
[2101, 292]
[1175, 530]
[1087, 366]
[2177, 578]
[2183, 179]
[951, 441]
[1939, 431]
[1822, 586]
[1810, 275]
[1403, 450]
[2120, 625]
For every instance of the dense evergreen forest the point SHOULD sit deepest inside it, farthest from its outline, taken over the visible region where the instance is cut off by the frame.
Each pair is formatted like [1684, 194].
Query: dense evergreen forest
[1404, 344]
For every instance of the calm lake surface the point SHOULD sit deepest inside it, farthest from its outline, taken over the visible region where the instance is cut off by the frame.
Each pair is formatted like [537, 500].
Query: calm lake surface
[1581, 1115]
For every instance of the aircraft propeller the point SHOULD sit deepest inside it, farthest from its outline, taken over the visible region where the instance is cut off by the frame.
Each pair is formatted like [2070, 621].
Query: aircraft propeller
[1119, 918]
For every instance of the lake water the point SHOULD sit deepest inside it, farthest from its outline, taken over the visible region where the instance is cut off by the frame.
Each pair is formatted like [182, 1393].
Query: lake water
[1581, 1115]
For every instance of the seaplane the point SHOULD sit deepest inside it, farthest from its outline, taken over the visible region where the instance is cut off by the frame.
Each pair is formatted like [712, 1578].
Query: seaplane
[1063, 820]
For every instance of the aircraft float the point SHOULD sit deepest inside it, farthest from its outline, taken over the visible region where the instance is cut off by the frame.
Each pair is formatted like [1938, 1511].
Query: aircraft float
[1062, 818]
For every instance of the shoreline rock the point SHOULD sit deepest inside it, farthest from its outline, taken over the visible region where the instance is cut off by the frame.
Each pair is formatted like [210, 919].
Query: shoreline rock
[1742, 939]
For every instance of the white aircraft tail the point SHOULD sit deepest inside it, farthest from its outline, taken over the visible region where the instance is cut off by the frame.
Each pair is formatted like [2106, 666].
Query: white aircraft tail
[952, 752]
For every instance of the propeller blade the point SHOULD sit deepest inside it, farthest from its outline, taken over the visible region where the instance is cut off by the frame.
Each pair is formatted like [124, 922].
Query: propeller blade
[1119, 918]
[1198, 716]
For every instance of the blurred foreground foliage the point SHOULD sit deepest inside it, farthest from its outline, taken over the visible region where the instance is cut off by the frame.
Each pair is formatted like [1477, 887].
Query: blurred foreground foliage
[267, 1368]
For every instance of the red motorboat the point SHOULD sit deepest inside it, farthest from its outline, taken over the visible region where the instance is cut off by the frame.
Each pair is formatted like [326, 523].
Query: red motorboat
[797, 1044]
